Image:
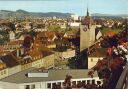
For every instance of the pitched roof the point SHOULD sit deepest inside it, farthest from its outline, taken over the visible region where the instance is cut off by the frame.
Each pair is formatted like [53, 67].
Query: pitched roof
[52, 76]
[99, 52]
[39, 50]
[48, 34]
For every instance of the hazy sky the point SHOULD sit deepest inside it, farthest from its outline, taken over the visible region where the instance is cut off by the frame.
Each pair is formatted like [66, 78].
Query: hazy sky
[67, 6]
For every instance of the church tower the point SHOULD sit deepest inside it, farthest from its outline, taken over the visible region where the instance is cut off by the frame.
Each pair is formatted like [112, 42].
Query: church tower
[87, 12]
[87, 32]
[87, 38]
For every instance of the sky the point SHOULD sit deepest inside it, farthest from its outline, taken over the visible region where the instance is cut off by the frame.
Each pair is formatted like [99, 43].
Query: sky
[78, 7]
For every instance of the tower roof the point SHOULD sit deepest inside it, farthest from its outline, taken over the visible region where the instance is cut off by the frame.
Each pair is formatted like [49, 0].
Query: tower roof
[87, 12]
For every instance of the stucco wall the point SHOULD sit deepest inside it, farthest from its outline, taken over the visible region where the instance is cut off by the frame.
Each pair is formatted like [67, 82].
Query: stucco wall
[6, 85]
[92, 61]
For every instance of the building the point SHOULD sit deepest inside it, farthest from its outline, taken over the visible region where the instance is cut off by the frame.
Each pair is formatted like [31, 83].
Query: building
[42, 79]
[74, 24]
[74, 17]
[95, 56]
[11, 36]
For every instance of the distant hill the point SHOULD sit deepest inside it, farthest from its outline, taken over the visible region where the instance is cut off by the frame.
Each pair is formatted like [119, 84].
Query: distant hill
[4, 14]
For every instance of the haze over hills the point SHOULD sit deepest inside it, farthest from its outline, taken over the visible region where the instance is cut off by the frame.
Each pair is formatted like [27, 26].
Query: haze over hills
[4, 14]
[22, 13]
[109, 15]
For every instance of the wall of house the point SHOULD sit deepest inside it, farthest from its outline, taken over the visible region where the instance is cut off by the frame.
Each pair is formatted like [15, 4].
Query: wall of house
[6, 85]
[48, 61]
[52, 46]
[26, 66]
[3, 73]
[68, 54]
[44, 85]
[14, 70]
[21, 87]
[92, 61]
[37, 63]
[37, 85]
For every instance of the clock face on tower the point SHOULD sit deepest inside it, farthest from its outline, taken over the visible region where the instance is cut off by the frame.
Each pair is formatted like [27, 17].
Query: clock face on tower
[85, 29]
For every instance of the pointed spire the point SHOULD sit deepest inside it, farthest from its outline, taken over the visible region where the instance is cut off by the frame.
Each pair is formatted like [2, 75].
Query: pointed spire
[87, 8]
[87, 11]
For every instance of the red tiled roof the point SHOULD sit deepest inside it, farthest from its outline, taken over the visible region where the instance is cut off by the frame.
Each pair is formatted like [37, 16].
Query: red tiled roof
[39, 50]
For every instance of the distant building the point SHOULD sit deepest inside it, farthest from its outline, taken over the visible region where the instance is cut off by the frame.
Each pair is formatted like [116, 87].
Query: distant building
[11, 36]
[63, 26]
[28, 26]
[74, 24]
[74, 17]
[54, 17]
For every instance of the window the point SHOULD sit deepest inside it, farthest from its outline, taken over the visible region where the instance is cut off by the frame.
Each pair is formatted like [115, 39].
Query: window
[1, 72]
[83, 81]
[93, 81]
[63, 84]
[48, 85]
[73, 81]
[88, 81]
[27, 87]
[91, 60]
[59, 83]
[78, 81]
[53, 85]
[4, 71]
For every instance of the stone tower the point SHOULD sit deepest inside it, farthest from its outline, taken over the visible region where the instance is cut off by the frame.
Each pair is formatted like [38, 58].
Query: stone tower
[87, 38]
[87, 32]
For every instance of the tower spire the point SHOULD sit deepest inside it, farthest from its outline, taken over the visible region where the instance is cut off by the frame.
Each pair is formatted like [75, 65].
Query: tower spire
[87, 8]
[87, 11]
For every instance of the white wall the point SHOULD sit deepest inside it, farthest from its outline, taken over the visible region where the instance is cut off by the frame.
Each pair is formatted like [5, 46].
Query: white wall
[3, 73]
[74, 24]
[68, 54]
[21, 87]
[38, 86]
[92, 61]
[43, 85]
[14, 70]
[6, 85]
